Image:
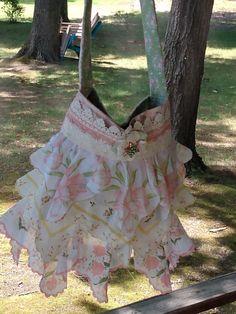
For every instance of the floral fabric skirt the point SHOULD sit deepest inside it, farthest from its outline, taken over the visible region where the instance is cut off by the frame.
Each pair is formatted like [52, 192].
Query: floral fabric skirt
[98, 195]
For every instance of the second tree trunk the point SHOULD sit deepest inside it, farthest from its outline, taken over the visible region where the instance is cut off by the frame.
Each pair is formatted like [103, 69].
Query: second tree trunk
[185, 46]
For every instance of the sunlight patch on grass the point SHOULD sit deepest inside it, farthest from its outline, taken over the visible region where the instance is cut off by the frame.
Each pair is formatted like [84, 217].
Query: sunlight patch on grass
[221, 53]
[23, 74]
[5, 248]
[8, 52]
[163, 5]
[224, 6]
[28, 11]
[202, 232]
[219, 145]
[138, 62]
[78, 297]
[6, 94]
[213, 156]
[75, 8]
[230, 143]
[4, 205]
[31, 76]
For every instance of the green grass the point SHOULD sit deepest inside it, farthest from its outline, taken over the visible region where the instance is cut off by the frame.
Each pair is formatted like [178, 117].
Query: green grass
[33, 100]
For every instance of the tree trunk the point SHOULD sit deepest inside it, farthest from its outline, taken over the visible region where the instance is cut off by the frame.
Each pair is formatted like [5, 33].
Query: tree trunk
[44, 41]
[64, 11]
[185, 46]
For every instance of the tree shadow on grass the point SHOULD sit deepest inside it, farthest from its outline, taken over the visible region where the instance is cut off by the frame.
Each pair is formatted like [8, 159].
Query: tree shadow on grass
[215, 202]
[125, 276]
[219, 207]
[201, 266]
[218, 91]
[216, 139]
[124, 279]
[224, 19]
[13, 35]
[122, 34]
[91, 307]
[32, 109]
[29, 117]
[124, 89]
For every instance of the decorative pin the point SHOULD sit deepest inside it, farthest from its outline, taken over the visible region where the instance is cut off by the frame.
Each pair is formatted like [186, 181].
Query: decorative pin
[131, 149]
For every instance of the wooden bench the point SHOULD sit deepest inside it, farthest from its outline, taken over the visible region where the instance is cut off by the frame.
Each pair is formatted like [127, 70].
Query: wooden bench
[194, 299]
[71, 34]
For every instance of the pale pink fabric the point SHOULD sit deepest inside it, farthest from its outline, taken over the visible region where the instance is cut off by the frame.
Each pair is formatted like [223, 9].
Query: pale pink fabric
[88, 212]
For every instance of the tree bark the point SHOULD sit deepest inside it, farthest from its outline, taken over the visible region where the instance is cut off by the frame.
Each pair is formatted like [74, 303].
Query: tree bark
[85, 59]
[44, 40]
[64, 11]
[185, 46]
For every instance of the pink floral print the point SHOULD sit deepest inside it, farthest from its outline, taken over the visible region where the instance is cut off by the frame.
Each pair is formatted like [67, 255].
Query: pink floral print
[51, 283]
[61, 193]
[97, 268]
[54, 160]
[102, 177]
[133, 199]
[165, 279]
[90, 211]
[152, 262]
[76, 184]
[70, 186]
[99, 250]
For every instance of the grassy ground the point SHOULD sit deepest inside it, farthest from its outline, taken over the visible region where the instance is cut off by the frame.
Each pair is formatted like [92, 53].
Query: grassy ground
[33, 101]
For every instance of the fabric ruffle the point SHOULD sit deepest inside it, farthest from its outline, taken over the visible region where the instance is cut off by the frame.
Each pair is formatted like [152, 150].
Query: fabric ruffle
[89, 213]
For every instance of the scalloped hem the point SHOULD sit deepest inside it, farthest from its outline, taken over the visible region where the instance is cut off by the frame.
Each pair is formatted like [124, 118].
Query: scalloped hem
[158, 285]
[84, 210]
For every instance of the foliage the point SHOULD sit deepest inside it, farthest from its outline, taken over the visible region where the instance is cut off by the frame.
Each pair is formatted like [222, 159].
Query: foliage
[12, 9]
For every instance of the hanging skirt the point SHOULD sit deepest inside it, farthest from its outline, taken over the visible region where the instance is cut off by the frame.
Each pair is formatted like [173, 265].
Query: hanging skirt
[100, 194]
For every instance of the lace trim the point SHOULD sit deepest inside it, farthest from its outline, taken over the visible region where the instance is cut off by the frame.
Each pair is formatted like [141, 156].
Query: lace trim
[115, 150]
[90, 115]
[86, 126]
[86, 141]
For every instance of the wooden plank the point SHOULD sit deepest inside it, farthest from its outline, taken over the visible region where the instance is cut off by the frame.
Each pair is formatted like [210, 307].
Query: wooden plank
[194, 299]
[78, 26]
[73, 23]
[64, 41]
[94, 21]
[73, 32]
[73, 28]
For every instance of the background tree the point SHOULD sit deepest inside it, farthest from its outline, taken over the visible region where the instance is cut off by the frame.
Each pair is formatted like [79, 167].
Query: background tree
[44, 40]
[185, 46]
[12, 9]
[64, 11]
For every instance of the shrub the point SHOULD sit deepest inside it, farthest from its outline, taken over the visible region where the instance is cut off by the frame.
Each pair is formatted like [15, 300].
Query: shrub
[12, 9]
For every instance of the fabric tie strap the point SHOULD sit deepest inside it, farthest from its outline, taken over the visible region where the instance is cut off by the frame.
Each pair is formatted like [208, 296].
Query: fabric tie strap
[157, 82]
[85, 64]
